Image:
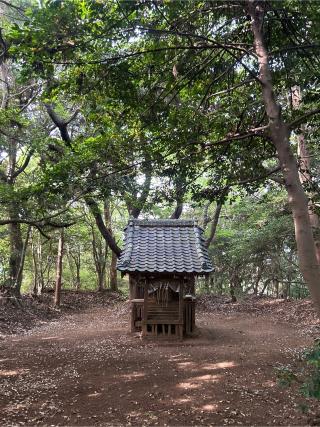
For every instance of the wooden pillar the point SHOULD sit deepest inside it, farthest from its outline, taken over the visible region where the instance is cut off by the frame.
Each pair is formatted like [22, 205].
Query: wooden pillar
[145, 308]
[133, 315]
[192, 286]
[180, 326]
[131, 296]
[193, 314]
[181, 302]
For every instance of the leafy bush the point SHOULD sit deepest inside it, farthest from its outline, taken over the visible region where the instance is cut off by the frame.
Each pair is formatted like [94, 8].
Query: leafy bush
[285, 376]
[311, 387]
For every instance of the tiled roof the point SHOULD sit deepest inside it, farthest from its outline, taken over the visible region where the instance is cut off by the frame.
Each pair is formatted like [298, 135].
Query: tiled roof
[170, 245]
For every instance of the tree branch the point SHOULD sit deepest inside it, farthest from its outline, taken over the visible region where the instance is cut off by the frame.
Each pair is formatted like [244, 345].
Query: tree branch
[212, 193]
[61, 124]
[94, 209]
[302, 118]
[35, 222]
[238, 136]
[8, 4]
[23, 167]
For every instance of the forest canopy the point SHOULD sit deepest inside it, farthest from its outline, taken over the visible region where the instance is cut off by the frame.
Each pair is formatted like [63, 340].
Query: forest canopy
[160, 109]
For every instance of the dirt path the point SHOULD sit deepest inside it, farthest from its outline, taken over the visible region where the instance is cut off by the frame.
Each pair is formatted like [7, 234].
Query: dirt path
[86, 369]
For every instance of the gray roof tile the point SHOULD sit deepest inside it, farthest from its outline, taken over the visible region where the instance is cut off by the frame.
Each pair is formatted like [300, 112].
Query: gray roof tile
[164, 246]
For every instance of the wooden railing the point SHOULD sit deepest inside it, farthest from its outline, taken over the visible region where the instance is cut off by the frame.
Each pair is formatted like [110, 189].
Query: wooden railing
[163, 320]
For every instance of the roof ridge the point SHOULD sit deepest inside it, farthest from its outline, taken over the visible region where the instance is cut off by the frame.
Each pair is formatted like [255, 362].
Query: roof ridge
[164, 222]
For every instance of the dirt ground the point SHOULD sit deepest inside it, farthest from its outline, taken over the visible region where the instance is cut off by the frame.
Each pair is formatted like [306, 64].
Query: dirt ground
[86, 369]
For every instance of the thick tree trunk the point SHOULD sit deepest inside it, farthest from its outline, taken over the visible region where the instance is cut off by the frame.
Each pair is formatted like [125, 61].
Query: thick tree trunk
[22, 259]
[178, 210]
[101, 280]
[15, 259]
[305, 177]
[38, 276]
[298, 200]
[214, 224]
[57, 293]
[280, 134]
[304, 171]
[180, 190]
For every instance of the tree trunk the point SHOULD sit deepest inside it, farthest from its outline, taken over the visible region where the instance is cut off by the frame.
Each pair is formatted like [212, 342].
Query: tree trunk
[280, 134]
[207, 283]
[113, 265]
[232, 293]
[16, 248]
[235, 286]
[99, 252]
[35, 266]
[276, 287]
[57, 293]
[113, 273]
[45, 268]
[70, 263]
[304, 171]
[101, 280]
[214, 224]
[178, 210]
[37, 261]
[74, 261]
[22, 259]
[265, 285]
[258, 279]
[78, 280]
[305, 176]
[77, 263]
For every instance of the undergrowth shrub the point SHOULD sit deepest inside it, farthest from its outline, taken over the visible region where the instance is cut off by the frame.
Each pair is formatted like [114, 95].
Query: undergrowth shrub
[308, 376]
[311, 385]
[285, 376]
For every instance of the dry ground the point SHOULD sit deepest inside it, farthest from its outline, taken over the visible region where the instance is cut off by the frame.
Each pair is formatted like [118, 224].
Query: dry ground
[86, 369]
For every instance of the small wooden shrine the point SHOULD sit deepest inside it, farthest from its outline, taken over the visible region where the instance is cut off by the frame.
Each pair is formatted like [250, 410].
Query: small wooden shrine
[162, 258]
